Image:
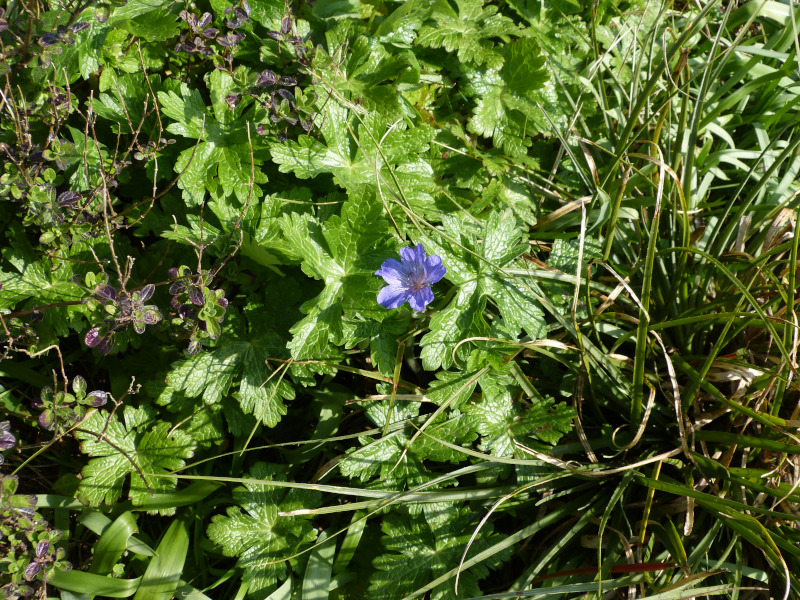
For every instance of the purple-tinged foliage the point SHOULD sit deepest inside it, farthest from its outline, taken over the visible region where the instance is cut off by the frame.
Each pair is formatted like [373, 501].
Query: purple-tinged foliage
[266, 78]
[230, 40]
[411, 279]
[7, 439]
[199, 311]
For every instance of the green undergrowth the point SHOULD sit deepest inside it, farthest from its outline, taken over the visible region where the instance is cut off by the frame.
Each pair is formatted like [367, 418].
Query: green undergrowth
[201, 396]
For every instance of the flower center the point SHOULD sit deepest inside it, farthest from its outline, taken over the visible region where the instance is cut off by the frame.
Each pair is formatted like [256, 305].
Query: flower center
[417, 281]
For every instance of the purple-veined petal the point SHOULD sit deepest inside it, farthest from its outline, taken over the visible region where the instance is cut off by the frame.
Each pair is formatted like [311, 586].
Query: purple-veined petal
[434, 269]
[392, 296]
[420, 298]
[413, 255]
[392, 271]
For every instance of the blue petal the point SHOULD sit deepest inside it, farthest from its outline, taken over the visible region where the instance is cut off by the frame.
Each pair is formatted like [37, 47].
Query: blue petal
[413, 255]
[434, 269]
[392, 296]
[419, 299]
[392, 271]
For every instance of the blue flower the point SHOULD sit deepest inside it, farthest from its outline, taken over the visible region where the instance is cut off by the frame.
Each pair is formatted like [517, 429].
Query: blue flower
[410, 279]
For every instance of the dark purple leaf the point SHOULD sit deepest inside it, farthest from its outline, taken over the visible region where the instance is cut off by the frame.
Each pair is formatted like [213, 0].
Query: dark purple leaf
[7, 439]
[106, 344]
[286, 24]
[32, 570]
[196, 296]
[152, 315]
[286, 95]
[78, 27]
[241, 15]
[227, 11]
[177, 288]
[125, 305]
[275, 35]
[260, 130]
[68, 198]
[223, 302]
[106, 292]
[210, 32]
[48, 39]
[186, 311]
[266, 78]
[233, 100]
[96, 398]
[61, 29]
[147, 292]
[172, 272]
[204, 20]
[42, 548]
[288, 81]
[231, 40]
[246, 8]
[234, 23]
[47, 419]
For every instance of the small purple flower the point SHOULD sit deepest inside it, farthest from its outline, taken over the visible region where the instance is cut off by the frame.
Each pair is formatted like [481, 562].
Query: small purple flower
[410, 279]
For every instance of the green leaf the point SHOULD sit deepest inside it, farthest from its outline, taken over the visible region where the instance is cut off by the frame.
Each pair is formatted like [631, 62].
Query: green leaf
[478, 280]
[501, 422]
[163, 573]
[422, 547]
[507, 98]
[118, 452]
[468, 31]
[318, 571]
[344, 253]
[365, 156]
[369, 72]
[113, 543]
[212, 373]
[222, 149]
[254, 532]
[383, 338]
